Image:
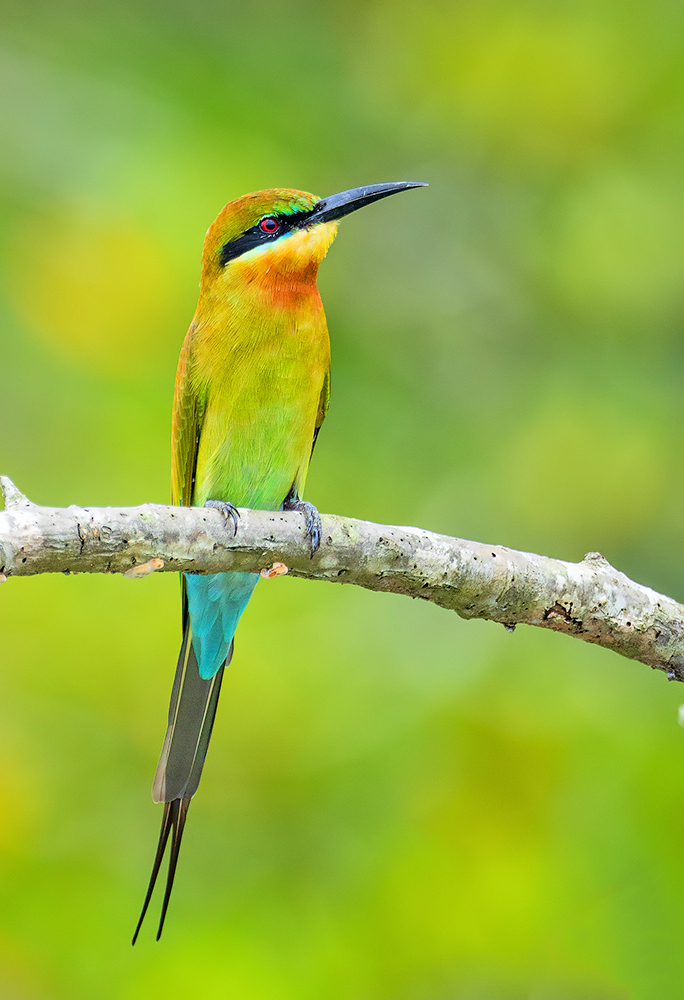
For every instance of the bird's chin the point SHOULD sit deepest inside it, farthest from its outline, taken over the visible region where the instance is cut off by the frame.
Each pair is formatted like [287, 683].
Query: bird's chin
[296, 254]
[315, 241]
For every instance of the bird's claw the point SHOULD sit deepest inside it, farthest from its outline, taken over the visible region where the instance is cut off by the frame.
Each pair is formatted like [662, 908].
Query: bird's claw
[312, 517]
[228, 511]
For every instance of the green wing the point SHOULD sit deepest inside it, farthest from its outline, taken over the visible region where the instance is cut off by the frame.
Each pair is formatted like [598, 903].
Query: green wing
[188, 416]
[323, 404]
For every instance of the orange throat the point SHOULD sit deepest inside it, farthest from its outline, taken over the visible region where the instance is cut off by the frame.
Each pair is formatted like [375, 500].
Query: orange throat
[286, 270]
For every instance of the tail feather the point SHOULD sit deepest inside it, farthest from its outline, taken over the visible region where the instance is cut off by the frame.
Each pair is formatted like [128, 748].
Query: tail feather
[191, 718]
[214, 604]
[179, 811]
[161, 847]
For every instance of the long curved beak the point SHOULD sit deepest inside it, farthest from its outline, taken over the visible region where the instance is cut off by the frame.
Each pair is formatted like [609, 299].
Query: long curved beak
[337, 205]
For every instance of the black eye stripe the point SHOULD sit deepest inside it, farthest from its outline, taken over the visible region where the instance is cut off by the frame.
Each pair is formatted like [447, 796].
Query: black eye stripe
[256, 237]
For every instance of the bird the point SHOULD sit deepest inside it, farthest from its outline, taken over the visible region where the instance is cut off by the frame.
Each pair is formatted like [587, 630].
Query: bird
[251, 394]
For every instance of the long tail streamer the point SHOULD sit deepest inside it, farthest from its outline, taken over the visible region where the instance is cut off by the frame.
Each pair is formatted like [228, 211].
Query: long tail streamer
[191, 719]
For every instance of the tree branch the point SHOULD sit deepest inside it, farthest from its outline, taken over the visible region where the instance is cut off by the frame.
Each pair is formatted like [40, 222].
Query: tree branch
[590, 600]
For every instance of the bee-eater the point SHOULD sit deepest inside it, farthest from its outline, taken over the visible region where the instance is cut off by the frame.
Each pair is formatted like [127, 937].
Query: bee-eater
[252, 391]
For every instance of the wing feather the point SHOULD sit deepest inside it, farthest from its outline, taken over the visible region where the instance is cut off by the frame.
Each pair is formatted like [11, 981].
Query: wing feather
[188, 416]
[323, 404]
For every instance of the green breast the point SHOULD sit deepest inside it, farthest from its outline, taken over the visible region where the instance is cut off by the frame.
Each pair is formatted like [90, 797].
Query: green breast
[263, 392]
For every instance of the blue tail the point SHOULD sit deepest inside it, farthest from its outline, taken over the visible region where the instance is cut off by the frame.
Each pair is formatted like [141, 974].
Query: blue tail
[215, 604]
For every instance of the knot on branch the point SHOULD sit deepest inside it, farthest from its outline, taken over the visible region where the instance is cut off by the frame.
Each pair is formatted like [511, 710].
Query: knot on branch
[596, 559]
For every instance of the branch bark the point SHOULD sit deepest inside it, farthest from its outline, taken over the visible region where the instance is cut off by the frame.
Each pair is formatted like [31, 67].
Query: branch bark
[590, 599]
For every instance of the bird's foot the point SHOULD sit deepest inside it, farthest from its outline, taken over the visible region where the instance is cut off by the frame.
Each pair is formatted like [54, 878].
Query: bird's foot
[228, 511]
[313, 519]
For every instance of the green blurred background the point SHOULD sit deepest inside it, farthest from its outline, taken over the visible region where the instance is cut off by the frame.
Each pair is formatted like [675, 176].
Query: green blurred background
[398, 805]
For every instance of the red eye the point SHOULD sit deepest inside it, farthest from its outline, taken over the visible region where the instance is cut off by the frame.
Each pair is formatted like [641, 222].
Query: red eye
[269, 226]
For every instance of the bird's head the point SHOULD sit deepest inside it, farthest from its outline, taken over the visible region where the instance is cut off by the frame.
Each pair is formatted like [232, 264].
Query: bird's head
[280, 235]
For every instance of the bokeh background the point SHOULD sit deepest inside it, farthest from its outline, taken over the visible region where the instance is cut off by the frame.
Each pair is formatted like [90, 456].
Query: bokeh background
[398, 805]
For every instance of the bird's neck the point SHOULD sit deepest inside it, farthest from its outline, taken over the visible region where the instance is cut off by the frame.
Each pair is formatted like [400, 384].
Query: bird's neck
[261, 296]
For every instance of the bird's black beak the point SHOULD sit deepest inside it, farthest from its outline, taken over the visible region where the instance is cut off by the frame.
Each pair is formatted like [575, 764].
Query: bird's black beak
[338, 205]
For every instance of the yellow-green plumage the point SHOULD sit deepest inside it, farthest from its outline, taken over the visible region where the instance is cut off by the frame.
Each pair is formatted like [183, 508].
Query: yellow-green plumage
[253, 379]
[254, 383]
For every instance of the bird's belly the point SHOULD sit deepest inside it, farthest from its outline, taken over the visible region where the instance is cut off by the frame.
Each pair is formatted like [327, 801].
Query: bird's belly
[257, 437]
